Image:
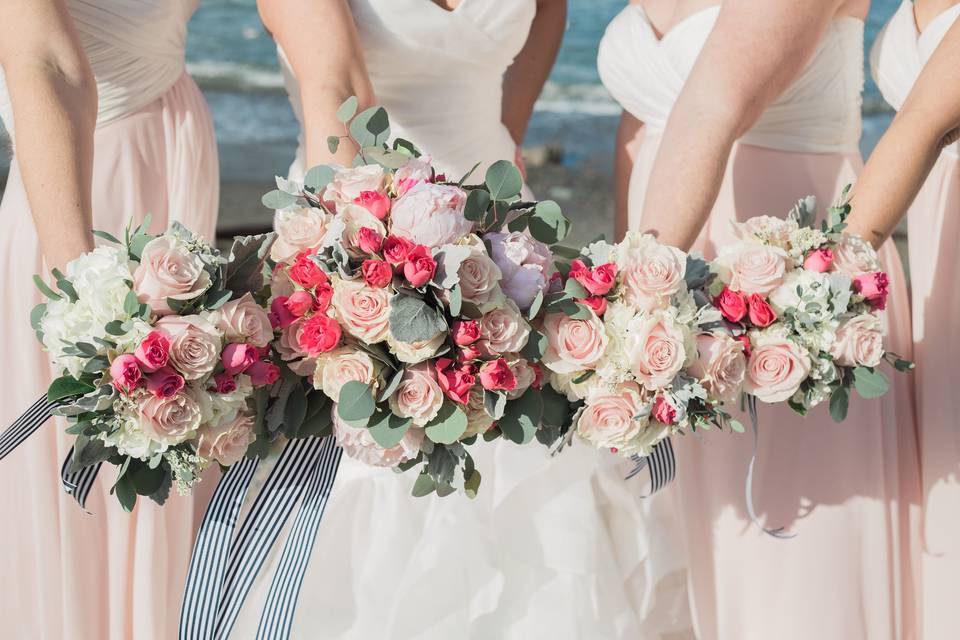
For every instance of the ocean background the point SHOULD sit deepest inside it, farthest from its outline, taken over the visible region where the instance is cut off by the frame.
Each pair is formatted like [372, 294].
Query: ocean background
[234, 61]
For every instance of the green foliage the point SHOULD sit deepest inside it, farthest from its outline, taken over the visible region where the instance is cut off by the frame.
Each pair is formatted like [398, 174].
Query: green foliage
[521, 417]
[348, 109]
[413, 320]
[388, 429]
[371, 127]
[45, 290]
[839, 403]
[449, 424]
[319, 177]
[66, 387]
[477, 203]
[870, 383]
[244, 271]
[548, 224]
[424, 485]
[277, 199]
[503, 180]
[536, 346]
[356, 403]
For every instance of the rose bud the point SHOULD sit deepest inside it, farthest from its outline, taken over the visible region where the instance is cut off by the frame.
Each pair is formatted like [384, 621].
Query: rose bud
[376, 273]
[375, 202]
[319, 334]
[597, 303]
[497, 376]
[322, 296]
[455, 380]
[305, 272]
[153, 352]
[126, 374]
[745, 340]
[874, 287]
[577, 267]
[280, 316]
[369, 240]
[469, 353]
[761, 313]
[599, 280]
[237, 357]
[537, 375]
[263, 373]
[164, 383]
[299, 303]
[419, 267]
[224, 383]
[465, 332]
[819, 260]
[732, 304]
[395, 250]
[663, 411]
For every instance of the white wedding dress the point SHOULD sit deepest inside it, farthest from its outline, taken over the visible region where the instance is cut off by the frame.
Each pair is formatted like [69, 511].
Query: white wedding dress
[552, 547]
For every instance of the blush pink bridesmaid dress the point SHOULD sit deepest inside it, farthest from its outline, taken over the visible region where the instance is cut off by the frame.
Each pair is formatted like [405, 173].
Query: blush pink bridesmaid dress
[105, 574]
[933, 223]
[849, 491]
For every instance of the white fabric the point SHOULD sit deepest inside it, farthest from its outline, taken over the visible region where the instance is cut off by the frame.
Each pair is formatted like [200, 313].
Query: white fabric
[135, 48]
[901, 51]
[815, 114]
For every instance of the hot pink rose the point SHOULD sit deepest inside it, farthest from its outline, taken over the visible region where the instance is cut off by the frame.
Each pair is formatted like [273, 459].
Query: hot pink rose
[244, 320]
[299, 303]
[663, 411]
[376, 273]
[598, 281]
[469, 354]
[369, 240]
[228, 442]
[418, 397]
[363, 311]
[305, 272]
[165, 383]
[126, 373]
[455, 379]
[859, 342]
[153, 352]
[355, 219]
[753, 268]
[597, 303]
[169, 420]
[237, 357]
[194, 345]
[280, 315]
[224, 383]
[431, 215]
[263, 373]
[465, 332]
[573, 345]
[375, 202]
[732, 304]
[497, 376]
[395, 250]
[169, 270]
[658, 352]
[322, 296]
[319, 334]
[297, 230]
[761, 313]
[819, 260]
[419, 267]
[874, 287]
[776, 369]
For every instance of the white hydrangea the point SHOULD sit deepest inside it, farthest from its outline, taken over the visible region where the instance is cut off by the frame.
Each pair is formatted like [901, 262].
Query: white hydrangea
[65, 324]
[130, 439]
[101, 279]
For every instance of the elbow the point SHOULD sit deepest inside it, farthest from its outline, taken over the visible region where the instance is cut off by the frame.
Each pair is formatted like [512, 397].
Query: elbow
[726, 114]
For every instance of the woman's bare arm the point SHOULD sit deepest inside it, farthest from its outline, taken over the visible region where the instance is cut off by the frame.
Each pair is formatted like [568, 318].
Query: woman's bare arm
[752, 55]
[898, 167]
[54, 100]
[321, 42]
[526, 76]
[629, 136]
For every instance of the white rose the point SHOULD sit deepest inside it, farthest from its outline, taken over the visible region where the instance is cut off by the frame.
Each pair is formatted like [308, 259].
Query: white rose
[340, 366]
[859, 342]
[413, 353]
[297, 229]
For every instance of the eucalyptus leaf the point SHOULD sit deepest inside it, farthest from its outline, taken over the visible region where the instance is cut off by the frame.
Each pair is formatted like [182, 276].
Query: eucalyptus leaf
[413, 320]
[318, 177]
[348, 109]
[839, 403]
[471, 484]
[536, 346]
[388, 429]
[503, 180]
[449, 424]
[126, 492]
[870, 383]
[548, 224]
[477, 202]
[521, 417]
[66, 387]
[295, 410]
[424, 486]
[494, 403]
[131, 304]
[392, 386]
[46, 290]
[556, 407]
[535, 305]
[386, 158]
[444, 490]
[697, 274]
[371, 127]
[455, 303]
[106, 236]
[356, 402]
[277, 199]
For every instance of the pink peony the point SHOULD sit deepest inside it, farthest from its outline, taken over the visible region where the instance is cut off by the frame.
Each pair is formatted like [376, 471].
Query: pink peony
[431, 215]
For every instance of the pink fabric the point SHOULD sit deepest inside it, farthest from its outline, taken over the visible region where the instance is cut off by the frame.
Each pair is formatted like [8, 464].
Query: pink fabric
[104, 574]
[934, 228]
[849, 491]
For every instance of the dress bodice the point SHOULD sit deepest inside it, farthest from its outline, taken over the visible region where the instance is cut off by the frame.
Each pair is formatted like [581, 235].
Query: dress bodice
[439, 73]
[135, 48]
[901, 51]
[818, 113]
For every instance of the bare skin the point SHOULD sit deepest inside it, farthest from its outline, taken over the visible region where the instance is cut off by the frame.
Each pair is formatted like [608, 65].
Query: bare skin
[902, 160]
[54, 98]
[752, 55]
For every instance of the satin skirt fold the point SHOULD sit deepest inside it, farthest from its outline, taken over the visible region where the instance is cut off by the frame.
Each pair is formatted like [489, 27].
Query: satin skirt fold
[102, 574]
[850, 491]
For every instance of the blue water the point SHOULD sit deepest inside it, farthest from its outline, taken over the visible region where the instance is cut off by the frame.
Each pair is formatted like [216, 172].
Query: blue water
[234, 61]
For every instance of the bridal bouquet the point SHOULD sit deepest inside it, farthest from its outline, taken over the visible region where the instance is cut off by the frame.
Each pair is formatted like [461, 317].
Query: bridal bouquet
[411, 303]
[161, 345]
[808, 304]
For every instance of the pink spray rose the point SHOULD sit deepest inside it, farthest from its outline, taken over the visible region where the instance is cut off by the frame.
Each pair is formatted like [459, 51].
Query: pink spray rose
[396, 249]
[224, 383]
[318, 335]
[153, 352]
[663, 411]
[761, 313]
[280, 315]
[455, 379]
[126, 374]
[165, 383]
[597, 303]
[305, 272]
[376, 273]
[465, 332]
[419, 267]
[375, 202]
[598, 280]
[732, 304]
[369, 240]
[497, 376]
[299, 303]
[819, 260]
[263, 373]
[237, 357]
[874, 287]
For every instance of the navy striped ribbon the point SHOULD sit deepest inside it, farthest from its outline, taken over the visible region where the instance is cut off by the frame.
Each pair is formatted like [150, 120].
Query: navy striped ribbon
[277, 617]
[76, 483]
[660, 462]
[779, 532]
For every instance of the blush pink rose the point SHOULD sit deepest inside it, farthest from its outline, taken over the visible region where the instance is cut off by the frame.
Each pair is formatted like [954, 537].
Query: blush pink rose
[153, 352]
[658, 352]
[720, 366]
[854, 256]
[227, 442]
[376, 273]
[479, 277]
[609, 420]
[776, 369]
[819, 260]
[503, 330]
[419, 396]
[244, 320]
[238, 356]
[431, 215]
[419, 267]
[165, 383]
[340, 366]
[496, 375]
[169, 270]
[125, 373]
[169, 420]
[651, 272]
[363, 311]
[194, 345]
[360, 445]
[318, 335]
[753, 268]
[375, 202]
[573, 345]
[297, 230]
[859, 342]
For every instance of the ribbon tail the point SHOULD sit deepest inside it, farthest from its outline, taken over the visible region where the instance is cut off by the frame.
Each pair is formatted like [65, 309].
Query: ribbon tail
[78, 483]
[661, 463]
[779, 532]
[27, 424]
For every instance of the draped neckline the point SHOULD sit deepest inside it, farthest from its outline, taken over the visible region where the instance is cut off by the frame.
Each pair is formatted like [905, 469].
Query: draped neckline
[949, 12]
[678, 26]
[445, 9]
